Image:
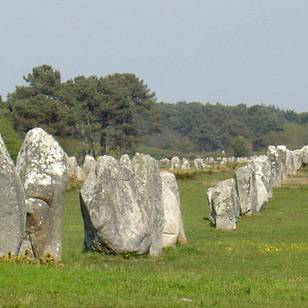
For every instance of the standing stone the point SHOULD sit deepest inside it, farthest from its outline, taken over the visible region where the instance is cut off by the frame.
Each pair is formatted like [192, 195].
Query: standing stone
[125, 160]
[185, 164]
[276, 166]
[198, 163]
[298, 159]
[75, 174]
[293, 161]
[122, 207]
[304, 151]
[72, 165]
[246, 189]
[173, 228]
[224, 207]
[175, 163]
[262, 181]
[81, 177]
[146, 168]
[12, 205]
[282, 153]
[88, 164]
[41, 165]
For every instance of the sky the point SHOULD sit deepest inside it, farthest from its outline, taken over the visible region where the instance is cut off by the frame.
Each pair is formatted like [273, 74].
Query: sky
[227, 51]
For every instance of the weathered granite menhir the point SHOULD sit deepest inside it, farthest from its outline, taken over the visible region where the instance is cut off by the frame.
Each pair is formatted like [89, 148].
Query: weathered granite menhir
[41, 165]
[12, 205]
[129, 207]
[173, 232]
[251, 188]
[122, 206]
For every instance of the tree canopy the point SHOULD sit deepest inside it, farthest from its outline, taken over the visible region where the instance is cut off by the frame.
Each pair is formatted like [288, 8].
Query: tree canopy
[116, 113]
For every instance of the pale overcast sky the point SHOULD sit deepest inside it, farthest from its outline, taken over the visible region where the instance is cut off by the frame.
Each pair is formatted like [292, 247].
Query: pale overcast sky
[228, 51]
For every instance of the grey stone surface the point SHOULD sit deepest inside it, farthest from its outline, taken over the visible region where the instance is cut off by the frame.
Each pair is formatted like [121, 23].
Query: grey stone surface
[41, 165]
[175, 163]
[80, 175]
[298, 159]
[199, 163]
[72, 165]
[262, 181]
[12, 205]
[245, 184]
[224, 206]
[122, 207]
[276, 166]
[146, 168]
[304, 151]
[125, 160]
[185, 164]
[88, 164]
[173, 232]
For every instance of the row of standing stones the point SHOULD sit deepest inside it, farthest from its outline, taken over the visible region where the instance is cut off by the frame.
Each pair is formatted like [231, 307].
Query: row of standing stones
[198, 163]
[128, 206]
[251, 188]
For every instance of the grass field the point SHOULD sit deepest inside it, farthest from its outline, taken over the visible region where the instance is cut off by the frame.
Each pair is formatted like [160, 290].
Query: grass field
[263, 263]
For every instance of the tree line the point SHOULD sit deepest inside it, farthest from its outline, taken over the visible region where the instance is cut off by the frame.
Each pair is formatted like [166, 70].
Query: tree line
[118, 113]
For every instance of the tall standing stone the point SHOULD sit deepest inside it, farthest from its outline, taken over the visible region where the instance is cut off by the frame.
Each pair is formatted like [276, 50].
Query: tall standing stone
[224, 207]
[41, 165]
[198, 163]
[175, 163]
[276, 166]
[304, 152]
[12, 205]
[147, 169]
[245, 185]
[125, 160]
[121, 206]
[185, 164]
[88, 164]
[262, 181]
[173, 232]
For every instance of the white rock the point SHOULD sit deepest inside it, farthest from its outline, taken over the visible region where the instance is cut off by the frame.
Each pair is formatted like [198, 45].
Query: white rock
[41, 165]
[122, 207]
[224, 207]
[88, 164]
[185, 164]
[175, 163]
[12, 205]
[173, 228]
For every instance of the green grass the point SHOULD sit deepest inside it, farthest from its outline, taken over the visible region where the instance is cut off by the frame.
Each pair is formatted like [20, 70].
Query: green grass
[263, 263]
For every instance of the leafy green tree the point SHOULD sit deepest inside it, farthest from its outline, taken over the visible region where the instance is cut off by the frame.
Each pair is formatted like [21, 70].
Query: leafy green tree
[239, 146]
[37, 104]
